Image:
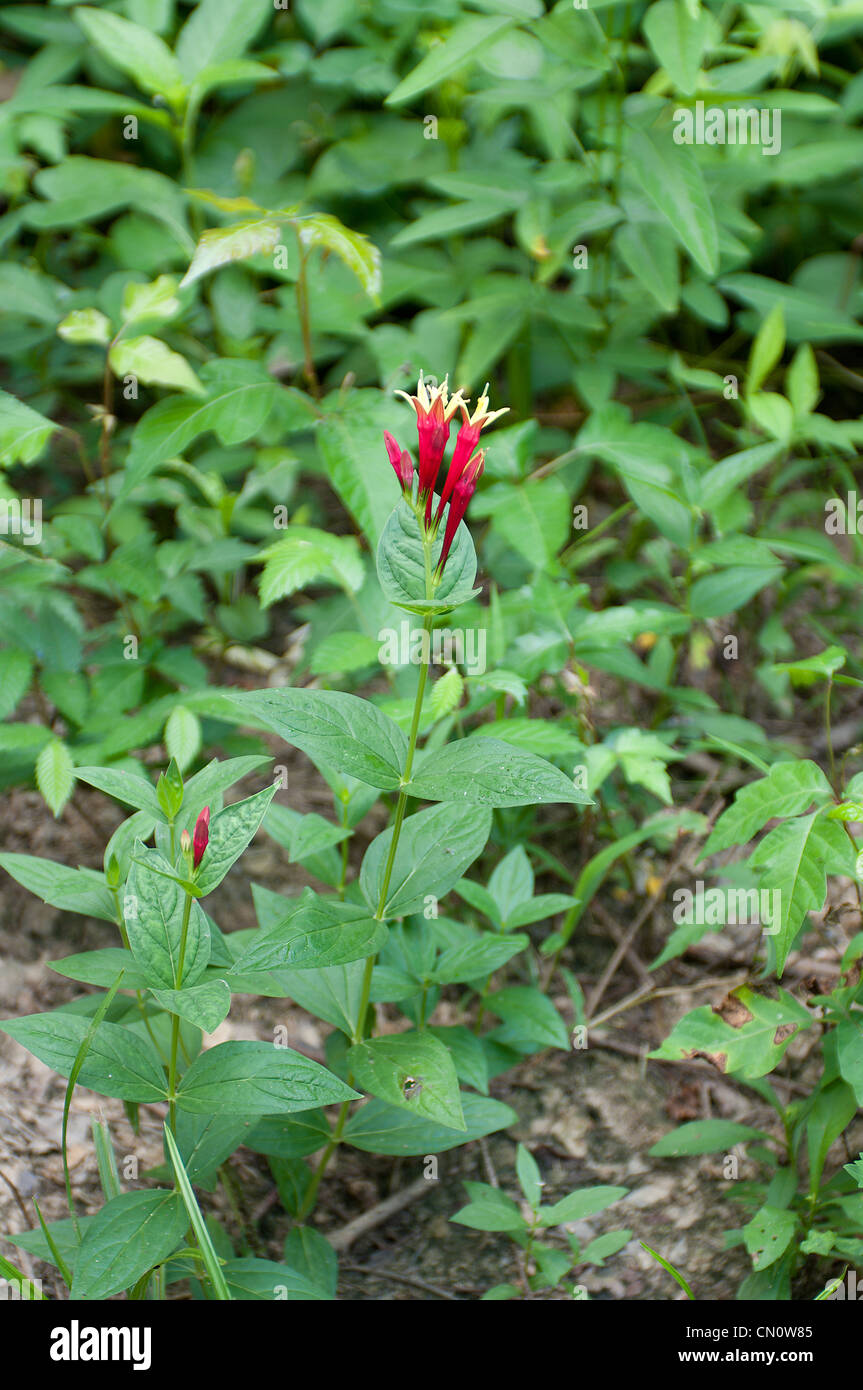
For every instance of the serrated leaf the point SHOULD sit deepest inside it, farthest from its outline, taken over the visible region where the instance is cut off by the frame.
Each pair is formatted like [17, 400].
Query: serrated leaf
[788, 789]
[154, 363]
[183, 736]
[55, 774]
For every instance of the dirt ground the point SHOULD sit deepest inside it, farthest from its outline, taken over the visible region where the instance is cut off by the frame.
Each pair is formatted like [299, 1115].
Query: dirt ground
[588, 1116]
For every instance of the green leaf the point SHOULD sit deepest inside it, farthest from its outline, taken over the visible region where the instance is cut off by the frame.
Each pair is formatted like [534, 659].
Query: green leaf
[788, 789]
[154, 363]
[55, 774]
[183, 737]
[434, 849]
[223, 245]
[306, 555]
[671, 177]
[577, 1206]
[704, 1137]
[747, 1038]
[796, 857]
[767, 349]
[154, 300]
[241, 398]
[129, 1236]
[489, 1210]
[489, 772]
[463, 44]
[384, 1129]
[476, 959]
[350, 444]
[317, 933]
[649, 252]
[679, 39]
[728, 590]
[447, 693]
[117, 1064]
[23, 432]
[534, 518]
[530, 1015]
[205, 1141]
[127, 787]
[206, 1006]
[529, 1176]
[145, 57]
[413, 1071]
[153, 907]
[768, 1235]
[218, 30]
[253, 1279]
[256, 1078]
[405, 570]
[73, 890]
[338, 728]
[101, 968]
[16, 668]
[359, 254]
[231, 830]
[85, 326]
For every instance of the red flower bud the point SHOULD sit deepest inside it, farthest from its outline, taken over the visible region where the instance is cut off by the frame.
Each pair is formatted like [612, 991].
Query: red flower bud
[401, 462]
[202, 835]
[466, 441]
[462, 493]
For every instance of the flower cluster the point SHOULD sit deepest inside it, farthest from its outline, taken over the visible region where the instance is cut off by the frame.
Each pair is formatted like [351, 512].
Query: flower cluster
[434, 408]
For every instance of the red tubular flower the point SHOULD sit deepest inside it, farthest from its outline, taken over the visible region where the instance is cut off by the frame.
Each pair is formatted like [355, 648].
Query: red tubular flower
[201, 837]
[401, 462]
[434, 409]
[462, 492]
[466, 441]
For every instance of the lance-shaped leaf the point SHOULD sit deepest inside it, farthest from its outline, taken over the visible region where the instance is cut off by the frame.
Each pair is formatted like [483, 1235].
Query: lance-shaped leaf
[316, 933]
[153, 907]
[131, 1234]
[434, 849]
[359, 254]
[231, 830]
[489, 772]
[123, 786]
[413, 1071]
[222, 245]
[334, 727]
[74, 890]
[256, 1078]
[117, 1063]
[379, 1128]
[206, 1005]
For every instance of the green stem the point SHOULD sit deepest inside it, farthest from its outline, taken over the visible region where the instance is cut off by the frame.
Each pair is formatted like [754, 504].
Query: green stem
[175, 1021]
[359, 1027]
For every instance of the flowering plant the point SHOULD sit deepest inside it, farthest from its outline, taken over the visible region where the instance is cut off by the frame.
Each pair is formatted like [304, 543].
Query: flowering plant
[337, 952]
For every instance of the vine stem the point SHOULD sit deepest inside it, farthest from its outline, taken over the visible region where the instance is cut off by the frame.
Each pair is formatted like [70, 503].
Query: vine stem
[175, 1021]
